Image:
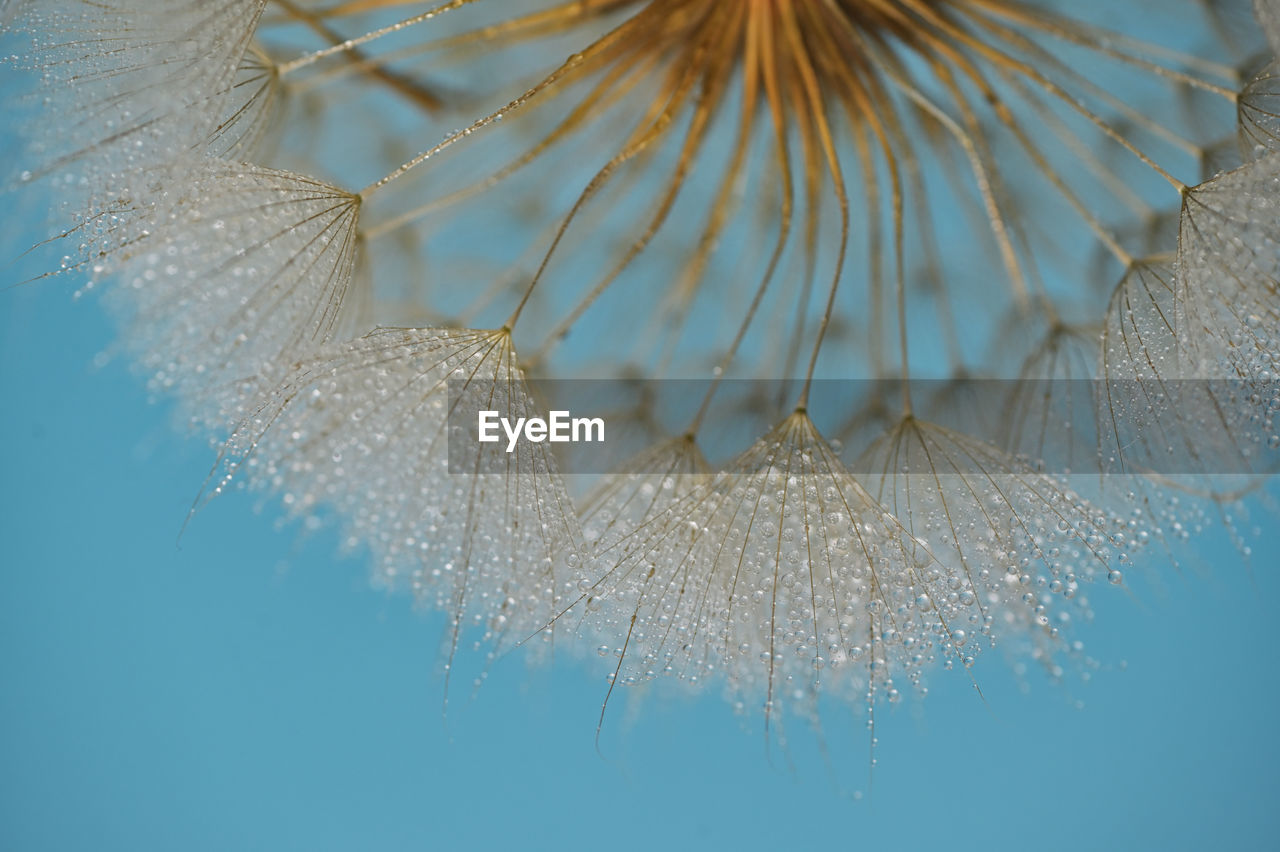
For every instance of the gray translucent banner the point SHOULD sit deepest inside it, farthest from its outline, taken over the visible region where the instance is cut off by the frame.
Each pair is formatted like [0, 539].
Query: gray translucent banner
[1184, 427]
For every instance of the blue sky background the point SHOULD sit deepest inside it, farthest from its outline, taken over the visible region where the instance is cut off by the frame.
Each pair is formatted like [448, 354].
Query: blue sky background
[245, 688]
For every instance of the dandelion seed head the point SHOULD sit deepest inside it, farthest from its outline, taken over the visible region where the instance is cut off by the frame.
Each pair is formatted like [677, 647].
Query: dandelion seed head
[1229, 271]
[1259, 108]
[138, 82]
[786, 190]
[234, 272]
[628, 501]
[786, 576]
[1017, 544]
[362, 429]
